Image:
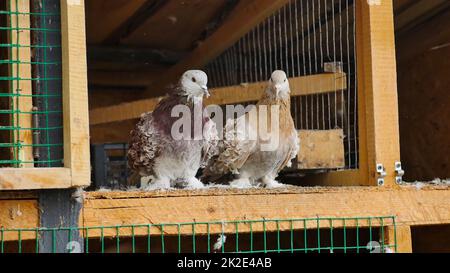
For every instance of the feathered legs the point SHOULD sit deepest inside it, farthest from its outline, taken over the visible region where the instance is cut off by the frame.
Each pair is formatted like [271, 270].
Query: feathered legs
[270, 182]
[158, 183]
[241, 183]
[194, 183]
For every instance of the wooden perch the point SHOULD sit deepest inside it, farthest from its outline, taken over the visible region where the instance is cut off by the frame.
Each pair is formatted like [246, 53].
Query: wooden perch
[307, 85]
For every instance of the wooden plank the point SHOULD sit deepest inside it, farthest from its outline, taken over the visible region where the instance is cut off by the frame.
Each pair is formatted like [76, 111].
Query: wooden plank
[21, 214]
[321, 149]
[399, 236]
[410, 206]
[112, 17]
[306, 85]
[378, 63]
[75, 97]
[300, 86]
[22, 86]
[38, 178]
[431, 34]
[176, 25]
[418, 13]
[129, 79]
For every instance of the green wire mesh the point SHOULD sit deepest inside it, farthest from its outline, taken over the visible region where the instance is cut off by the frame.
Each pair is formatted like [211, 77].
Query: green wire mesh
[43, 39]
[314, 235]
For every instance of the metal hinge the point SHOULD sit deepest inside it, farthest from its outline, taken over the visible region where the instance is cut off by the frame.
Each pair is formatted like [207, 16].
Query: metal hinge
[399, 172]
[381, 171]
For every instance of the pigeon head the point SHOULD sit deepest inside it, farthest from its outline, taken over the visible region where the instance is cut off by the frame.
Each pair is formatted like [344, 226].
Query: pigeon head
[279, 85]
[193, 84]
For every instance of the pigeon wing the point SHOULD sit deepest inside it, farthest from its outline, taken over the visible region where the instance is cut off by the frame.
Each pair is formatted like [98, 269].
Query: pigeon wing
[144, 146]
[234, 150]
[210, 142]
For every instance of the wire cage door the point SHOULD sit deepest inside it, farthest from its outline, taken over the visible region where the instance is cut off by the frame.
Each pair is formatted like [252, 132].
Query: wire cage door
[326, 48]
[36, 101]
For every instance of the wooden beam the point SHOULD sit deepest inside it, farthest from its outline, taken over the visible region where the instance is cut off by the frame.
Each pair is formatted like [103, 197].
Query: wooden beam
[75, 97]
[130, 54]
[399, 236]
[128, 79]
[410, 206]
[19, 214]
[426, 36]
[21, 85]
[376, 57]
[307, 85]
[103, 17]
[417, 13]
[175, 25]
[35, 178]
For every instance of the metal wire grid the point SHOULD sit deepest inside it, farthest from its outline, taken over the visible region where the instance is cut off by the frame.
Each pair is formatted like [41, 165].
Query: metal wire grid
[313, 235]
[299, 39]
[44, 29]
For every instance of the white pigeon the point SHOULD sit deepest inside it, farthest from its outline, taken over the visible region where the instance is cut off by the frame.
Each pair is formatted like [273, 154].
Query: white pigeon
[153, 150]
[247, 161]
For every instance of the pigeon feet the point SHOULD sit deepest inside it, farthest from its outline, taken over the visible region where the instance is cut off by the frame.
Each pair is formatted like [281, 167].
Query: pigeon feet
[158, 184]
[241, 183]
[193, 183]
[271, 183]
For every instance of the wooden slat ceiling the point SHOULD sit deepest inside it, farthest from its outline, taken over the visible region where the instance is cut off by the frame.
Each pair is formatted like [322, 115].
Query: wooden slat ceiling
[148, 37]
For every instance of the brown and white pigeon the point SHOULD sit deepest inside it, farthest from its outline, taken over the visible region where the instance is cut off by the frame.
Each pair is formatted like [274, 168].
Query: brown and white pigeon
[168, 161]
[248, 161]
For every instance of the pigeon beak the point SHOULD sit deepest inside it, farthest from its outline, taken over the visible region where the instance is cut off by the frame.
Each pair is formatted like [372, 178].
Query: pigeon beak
[205, 90]
[277, 89]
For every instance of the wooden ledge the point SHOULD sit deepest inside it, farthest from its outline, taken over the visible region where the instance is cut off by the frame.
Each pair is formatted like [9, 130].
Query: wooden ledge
[410, 205]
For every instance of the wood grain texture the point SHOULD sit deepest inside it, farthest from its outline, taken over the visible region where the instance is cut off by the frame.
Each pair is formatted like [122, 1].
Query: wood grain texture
[409, 205]
[35, 178]
[378, 63]
[75, 98]
[400, 236]
[16, 214]
[321, 149]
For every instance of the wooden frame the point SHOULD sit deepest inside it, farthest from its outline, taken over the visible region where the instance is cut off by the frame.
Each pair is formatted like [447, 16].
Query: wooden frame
[76, 170]
[379, 140]
[411, 206]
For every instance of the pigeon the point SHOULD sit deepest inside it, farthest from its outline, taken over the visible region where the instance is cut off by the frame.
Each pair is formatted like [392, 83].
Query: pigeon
[247, 161]
[167, 160]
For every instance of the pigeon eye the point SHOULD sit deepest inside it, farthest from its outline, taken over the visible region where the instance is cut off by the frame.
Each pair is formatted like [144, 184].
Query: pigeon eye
[285, 80]
[194, 80]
